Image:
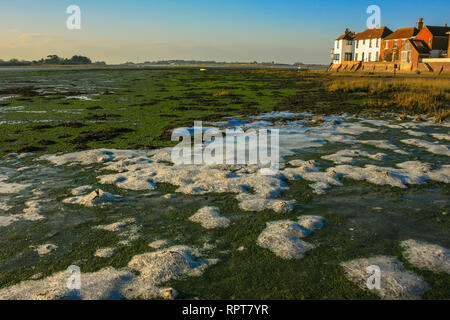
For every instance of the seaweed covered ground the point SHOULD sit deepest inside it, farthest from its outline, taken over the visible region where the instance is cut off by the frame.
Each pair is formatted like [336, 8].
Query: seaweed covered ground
[138, 108]
[86, 179]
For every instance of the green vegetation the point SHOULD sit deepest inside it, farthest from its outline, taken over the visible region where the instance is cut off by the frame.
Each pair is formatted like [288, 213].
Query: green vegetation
[138, 108]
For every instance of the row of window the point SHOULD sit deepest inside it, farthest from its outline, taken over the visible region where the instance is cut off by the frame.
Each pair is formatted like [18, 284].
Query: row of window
[349, 43]
[369, 58]
[348, 56]
[386, 44]
[363, 42]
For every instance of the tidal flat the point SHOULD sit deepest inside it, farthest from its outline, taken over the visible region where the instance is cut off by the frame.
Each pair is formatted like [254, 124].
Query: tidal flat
[86, 179]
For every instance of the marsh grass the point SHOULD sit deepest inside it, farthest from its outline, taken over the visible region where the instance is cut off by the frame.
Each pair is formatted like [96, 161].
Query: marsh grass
[221, 93]
[417, 95]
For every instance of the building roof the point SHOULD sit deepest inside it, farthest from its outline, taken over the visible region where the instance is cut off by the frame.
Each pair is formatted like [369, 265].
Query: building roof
[438, 31]
[373, 33]
[347, 36]
[403, 33]
[420, 46]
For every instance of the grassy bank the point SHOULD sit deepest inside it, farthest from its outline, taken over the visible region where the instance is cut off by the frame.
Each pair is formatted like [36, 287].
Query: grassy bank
[411, 95]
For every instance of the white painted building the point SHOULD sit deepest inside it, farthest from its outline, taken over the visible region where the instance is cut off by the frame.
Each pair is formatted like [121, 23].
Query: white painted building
[368, 44]
[344, 48]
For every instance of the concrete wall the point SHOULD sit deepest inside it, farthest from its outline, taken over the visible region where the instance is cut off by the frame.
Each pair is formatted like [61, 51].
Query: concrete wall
[440, 66]
[440, 60]
[422, 67]
[378, 66]
[345, 66]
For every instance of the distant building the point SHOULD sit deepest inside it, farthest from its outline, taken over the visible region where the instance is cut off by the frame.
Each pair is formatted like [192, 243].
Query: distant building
[422, 48]
[368, 44]
[392, 44]
[344, 48]
[436, 38]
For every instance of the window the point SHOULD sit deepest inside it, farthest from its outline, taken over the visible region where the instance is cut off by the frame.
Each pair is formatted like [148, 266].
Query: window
[349, 42]
[395, 44]
[348, 56]
[337, 56]
[403, 42]
[357, 43]
[370, 56]
[378, 56]
[378, 43]
[362, 59]
[356, 57]
[386, 44]
[429, 42]
[405, 56]
[364, 42]
[370, 43]
[408, 46]
[394, 56]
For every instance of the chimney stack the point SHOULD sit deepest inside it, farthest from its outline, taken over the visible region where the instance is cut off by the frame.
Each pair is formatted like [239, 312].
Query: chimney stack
[420, 24]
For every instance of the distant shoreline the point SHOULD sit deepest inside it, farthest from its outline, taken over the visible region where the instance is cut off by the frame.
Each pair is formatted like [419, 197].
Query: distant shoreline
[149, 66]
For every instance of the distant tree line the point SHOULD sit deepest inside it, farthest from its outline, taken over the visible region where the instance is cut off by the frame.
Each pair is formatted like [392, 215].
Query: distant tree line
[50, 59]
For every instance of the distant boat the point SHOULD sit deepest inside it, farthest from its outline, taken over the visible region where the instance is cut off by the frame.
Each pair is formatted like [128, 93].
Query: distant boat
[202, 69]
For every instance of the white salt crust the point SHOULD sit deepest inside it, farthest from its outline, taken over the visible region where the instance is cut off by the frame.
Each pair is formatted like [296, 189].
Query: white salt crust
[396, 283]
[427, 256]
[210, 218]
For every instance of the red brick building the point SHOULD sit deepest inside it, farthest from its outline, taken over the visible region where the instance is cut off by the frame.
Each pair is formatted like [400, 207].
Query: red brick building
[436, 38]
[391, 46]
[411, 54]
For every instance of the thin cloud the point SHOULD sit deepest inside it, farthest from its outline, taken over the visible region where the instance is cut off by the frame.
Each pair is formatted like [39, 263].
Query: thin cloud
[33, 35]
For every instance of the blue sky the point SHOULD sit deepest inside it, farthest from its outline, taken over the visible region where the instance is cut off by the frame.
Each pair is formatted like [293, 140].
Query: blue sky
[246, 30]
